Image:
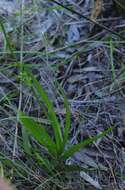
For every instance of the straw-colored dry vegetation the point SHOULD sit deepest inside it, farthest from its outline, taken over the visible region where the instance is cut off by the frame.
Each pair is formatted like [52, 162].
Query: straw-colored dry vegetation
[62, 94]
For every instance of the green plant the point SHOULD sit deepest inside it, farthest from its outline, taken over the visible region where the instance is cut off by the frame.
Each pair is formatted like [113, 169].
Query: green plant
[56, 146]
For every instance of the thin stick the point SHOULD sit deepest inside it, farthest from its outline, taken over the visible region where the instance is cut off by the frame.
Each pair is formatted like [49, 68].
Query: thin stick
[21, 69]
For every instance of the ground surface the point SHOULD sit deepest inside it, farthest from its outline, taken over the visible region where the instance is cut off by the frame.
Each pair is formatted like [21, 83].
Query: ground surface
[88, 62]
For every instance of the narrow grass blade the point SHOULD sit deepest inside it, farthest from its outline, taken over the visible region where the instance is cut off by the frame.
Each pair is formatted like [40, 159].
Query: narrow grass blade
[120, 5]
[26, 142]
[45, 162]
[7, 39]
[77, 147]
[68, 115]
[38, 132]
[67, 122]
[52, 116]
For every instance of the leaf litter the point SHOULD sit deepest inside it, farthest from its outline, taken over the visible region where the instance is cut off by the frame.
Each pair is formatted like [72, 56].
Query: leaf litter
[59, 45]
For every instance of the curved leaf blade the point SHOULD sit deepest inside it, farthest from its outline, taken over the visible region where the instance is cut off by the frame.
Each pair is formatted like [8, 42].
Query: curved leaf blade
[38, 132]
[77, 147]
[52, 116]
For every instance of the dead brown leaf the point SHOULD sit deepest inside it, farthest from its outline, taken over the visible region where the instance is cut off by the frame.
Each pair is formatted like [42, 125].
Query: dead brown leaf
[96, 10]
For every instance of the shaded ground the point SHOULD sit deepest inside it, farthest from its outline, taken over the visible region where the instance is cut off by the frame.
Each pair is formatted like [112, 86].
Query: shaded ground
[88, 62]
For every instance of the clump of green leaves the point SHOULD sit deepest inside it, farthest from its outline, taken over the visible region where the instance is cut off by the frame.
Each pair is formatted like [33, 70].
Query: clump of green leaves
[56, 146]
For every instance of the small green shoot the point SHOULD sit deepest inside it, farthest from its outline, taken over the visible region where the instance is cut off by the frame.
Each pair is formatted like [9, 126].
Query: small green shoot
[55, 146]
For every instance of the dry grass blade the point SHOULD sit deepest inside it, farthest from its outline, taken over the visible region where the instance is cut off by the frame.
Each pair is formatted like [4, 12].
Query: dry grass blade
[96, 10]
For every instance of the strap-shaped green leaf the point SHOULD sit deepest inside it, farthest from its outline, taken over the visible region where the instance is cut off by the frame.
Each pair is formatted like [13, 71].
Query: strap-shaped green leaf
[26, 141]
[68, 115]
[52, 116]
[77, 147]
[38, 132]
